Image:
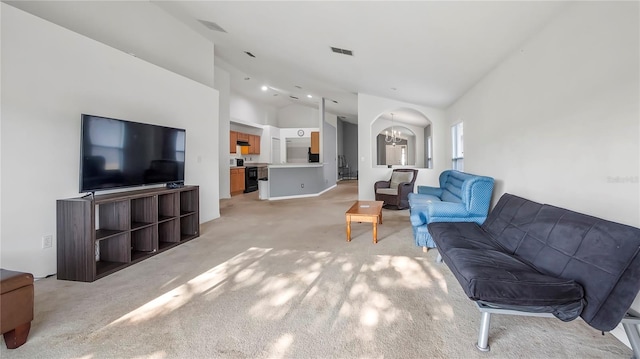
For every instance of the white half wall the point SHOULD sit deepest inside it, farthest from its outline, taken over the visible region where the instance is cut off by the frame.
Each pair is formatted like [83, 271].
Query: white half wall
[50, 76]
[369, 109]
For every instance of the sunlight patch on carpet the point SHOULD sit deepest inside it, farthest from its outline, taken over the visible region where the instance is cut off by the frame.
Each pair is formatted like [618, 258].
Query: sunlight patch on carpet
[176, 298]
[281, 346]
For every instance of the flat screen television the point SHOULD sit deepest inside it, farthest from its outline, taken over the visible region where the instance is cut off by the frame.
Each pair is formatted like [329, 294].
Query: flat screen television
[117, 153]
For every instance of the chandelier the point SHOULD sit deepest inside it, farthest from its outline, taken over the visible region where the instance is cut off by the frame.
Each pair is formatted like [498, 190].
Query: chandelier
[394, 137]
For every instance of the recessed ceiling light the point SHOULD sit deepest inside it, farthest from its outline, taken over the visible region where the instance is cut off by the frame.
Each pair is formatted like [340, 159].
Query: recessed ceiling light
[309, 96]
[264, 88]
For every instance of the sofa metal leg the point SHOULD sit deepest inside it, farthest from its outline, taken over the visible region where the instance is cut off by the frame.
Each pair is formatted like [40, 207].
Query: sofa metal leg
[483, 334]
[18, 336]
[632, 334]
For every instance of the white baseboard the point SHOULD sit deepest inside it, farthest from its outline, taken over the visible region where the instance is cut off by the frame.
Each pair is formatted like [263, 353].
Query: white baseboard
[302, 195]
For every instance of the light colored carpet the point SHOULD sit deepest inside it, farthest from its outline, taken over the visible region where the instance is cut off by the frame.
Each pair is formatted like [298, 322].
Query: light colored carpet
[278, 280]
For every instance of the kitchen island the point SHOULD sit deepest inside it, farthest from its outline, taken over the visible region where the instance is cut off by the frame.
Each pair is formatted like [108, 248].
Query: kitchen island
[297, 180]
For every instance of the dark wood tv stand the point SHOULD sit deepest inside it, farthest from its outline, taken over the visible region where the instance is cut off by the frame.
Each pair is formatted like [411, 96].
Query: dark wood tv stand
[103, 234]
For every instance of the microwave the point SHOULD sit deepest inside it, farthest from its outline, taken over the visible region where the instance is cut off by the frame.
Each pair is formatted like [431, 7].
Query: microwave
[239, 162]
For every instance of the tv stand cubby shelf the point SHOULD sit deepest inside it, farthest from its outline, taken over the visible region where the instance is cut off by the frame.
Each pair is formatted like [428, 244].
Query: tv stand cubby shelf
[101, 235]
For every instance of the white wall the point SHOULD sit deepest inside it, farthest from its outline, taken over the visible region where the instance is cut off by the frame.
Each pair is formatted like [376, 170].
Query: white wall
[296, 115]
[50, 76]
[558, 121]
[223, 85]
[244, 110]
[150, 32]
[369, 109]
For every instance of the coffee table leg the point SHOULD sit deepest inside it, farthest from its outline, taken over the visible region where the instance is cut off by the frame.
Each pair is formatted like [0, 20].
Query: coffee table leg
[375, 231]
[348, 230]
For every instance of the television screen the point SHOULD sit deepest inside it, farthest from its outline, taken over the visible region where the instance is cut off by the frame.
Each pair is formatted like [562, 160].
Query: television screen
[116, 153]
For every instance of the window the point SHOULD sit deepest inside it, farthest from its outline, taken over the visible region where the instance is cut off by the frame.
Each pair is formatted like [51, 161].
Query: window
[457, 137]
[429, 152]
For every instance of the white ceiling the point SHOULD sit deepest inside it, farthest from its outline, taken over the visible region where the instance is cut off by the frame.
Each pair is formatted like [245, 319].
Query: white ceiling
[421, 52]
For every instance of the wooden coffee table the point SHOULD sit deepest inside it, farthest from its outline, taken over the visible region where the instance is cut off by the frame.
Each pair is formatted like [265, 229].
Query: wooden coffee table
[365, 211]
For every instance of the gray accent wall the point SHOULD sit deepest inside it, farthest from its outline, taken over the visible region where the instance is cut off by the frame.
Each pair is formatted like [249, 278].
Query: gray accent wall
[350, 145]
[330, 154]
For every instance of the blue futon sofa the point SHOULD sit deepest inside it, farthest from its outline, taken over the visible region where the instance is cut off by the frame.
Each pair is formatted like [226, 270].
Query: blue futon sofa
[461, 197]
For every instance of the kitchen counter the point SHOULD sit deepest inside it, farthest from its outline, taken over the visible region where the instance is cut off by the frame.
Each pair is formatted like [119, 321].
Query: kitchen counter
[295, 180]
[297, 165]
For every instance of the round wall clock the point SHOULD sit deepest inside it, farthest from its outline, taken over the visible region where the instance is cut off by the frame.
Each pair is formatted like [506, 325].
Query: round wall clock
[300, 133]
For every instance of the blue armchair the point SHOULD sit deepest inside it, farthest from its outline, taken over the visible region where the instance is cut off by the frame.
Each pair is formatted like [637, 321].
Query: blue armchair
[461, 197]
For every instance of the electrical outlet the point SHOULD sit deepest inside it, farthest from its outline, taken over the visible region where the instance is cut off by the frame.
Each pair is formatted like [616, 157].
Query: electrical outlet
[47, 241]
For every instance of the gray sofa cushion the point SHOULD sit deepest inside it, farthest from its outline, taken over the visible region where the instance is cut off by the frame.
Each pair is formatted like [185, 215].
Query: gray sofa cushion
[487, 273]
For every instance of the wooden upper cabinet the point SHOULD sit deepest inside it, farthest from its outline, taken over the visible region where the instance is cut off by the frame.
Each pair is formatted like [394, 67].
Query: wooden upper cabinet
[254, 142]
[243, 137]
[233, 139]
[315, 142]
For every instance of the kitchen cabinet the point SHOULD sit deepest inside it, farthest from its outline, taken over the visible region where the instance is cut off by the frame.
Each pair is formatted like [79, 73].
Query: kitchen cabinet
[254, 144]
[253, 140]
[243, 136]
[237, 181]
[315, 142]
[233, 141]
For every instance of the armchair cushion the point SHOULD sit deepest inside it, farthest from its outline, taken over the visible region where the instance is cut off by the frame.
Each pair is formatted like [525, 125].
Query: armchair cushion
[394, 192]
[389, 191]
[400, 177]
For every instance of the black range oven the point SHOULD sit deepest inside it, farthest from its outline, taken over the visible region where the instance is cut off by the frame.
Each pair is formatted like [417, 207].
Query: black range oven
[250, 179]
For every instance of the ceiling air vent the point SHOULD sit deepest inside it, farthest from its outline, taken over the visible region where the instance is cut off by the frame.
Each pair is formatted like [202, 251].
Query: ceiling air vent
[212, 26]
[338, 50]
[295, 98]
[250, 54]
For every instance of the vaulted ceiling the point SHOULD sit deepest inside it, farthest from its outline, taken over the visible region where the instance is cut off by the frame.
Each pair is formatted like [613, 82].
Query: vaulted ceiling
[426, 53]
